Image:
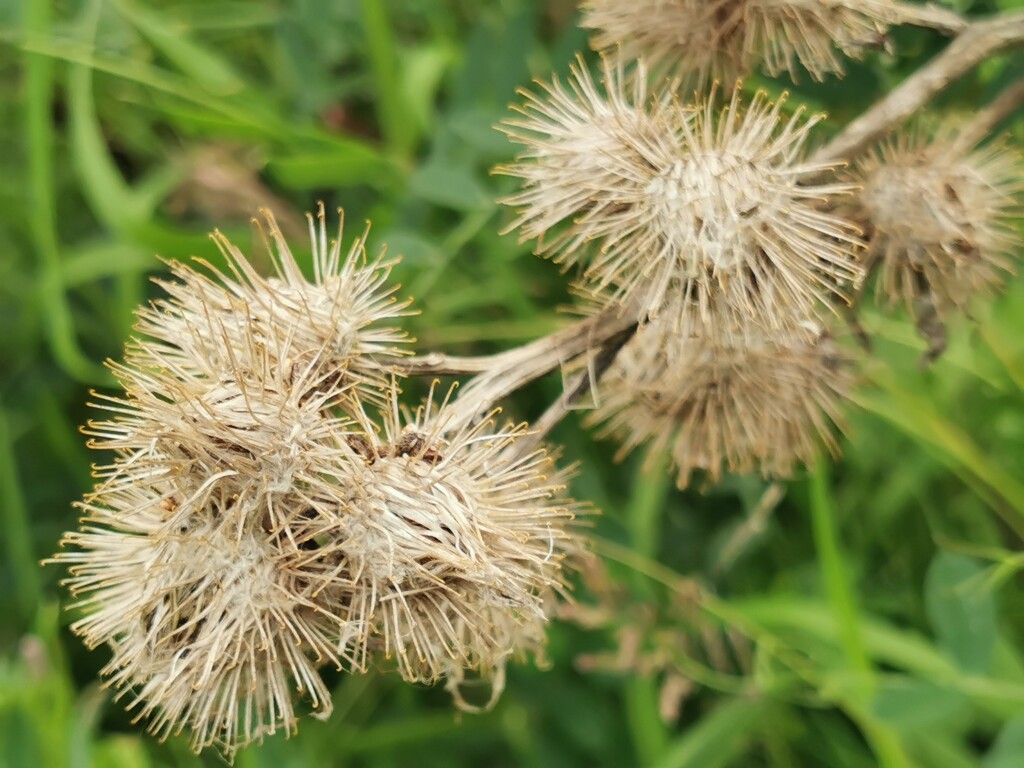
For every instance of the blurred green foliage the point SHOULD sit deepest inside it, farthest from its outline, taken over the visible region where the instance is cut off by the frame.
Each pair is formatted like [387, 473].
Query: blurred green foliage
[872, 617]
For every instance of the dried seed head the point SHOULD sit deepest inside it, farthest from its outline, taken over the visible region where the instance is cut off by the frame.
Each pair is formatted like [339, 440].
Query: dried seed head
[711, 217]
[210, 626]
[188, 567]
[763, 406]
[446, 545]
[214, 323]
[941, 217]
[704, 40]
[262, 433]
[581, 140]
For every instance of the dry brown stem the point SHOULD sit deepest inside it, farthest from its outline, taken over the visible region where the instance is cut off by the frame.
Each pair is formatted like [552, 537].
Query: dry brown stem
[944, 20]
[978, 41]
[502, 374]
[562, 346]
[582, 384]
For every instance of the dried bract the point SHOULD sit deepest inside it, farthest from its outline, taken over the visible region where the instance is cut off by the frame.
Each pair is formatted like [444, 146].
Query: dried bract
[941, 217]
[704, 40]
[762, 406]
[711, 217]
[215, 323]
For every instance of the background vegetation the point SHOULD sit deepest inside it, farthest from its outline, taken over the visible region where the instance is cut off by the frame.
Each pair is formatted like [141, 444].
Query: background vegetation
[870, 614]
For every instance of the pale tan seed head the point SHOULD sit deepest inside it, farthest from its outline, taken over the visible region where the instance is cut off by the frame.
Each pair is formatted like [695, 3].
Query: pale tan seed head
[188, 564]
[211, 627]
[720, 40]
[765, 406]
[339, 322]
[941, 217]
[582, 139]
[446, 545]
[711, 216]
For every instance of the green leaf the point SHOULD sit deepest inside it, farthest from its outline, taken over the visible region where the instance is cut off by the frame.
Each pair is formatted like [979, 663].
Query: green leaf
[42, 208]
[906, 703]
[19, 549]
[962, 615]
[443, 185]
[106, 258]
[718, 738]
[398, 130]
[476, 127]
[229, 15]
[413, 730]
[423, 71]
[353, 164]
[121, 752]
[1008, 749]
[412, 247]
[650, 736]
[19, 737]
[941, 750]
[923, 421]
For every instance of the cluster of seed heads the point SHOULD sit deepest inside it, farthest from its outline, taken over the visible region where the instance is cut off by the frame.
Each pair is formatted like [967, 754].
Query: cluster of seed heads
[712, 225]
[271, 509]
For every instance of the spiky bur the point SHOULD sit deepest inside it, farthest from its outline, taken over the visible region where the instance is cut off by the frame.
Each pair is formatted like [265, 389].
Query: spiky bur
[340, 322]
[450, 545]
[210, 629]
[710, 216]
[763, 406]
[940, 218]
[254, 526]
[720, 40]
[185, 565]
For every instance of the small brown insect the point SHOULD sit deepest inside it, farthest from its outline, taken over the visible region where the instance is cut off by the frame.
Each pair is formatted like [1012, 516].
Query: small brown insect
[414, 444]
[409, 444]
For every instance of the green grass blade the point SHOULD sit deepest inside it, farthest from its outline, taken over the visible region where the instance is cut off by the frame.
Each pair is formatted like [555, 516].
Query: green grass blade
[835, 579]
[39, 139]
[644, 518]
[198, 64]
[918, 418]
[835, 576]
[17, 538]
[397, 126]
[720, 737]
